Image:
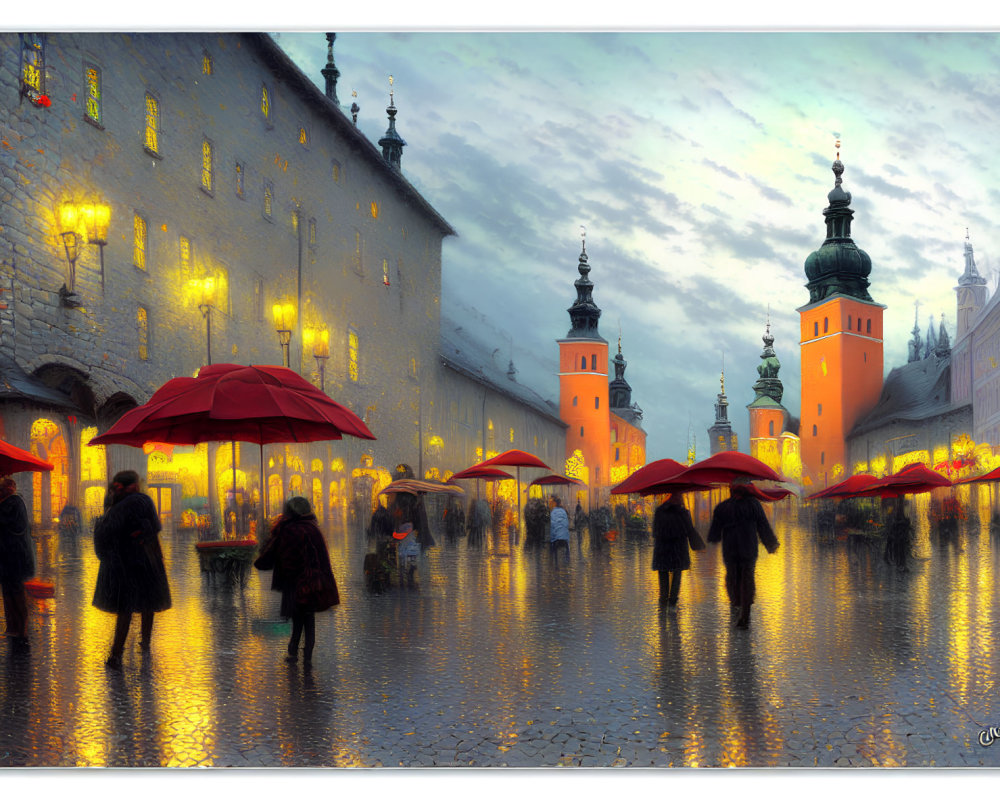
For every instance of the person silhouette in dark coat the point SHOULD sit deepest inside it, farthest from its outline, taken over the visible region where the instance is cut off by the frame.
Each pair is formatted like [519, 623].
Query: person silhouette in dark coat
[737, 523]
[673, 535]
[132, 578]
[17, 560]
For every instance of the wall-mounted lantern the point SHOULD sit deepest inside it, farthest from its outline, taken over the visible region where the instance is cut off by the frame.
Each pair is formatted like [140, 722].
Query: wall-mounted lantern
[319, 340]
[204, 289]
[68, 223]
[284, 319]
[96, 220]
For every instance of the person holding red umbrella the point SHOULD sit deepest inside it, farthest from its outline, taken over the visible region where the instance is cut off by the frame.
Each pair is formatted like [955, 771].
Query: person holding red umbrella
[17, 560]
[738, 522]
[673, 534]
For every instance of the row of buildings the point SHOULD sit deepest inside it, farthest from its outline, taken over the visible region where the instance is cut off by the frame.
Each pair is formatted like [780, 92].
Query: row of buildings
[169, 200]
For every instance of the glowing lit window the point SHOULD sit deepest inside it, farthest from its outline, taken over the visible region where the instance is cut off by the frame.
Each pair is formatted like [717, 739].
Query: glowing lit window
[207, 65]
[352, 355]
[185, 255]
[152, 135]
[240, 175]
[512, 435]
[335, 171]
[32, 63]
[92, 76]
[413, 368]
[303, 136]
[265, 103]
[374, 210]
[93, 461]
[268, 199]
[207, 173]
[142, 323]
[139, 241]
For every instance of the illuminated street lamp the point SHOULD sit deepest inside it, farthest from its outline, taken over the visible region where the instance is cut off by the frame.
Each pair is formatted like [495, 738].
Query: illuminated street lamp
[319, 340]
[284, 319]
[68, 222]
[205, 288]
[96, 220]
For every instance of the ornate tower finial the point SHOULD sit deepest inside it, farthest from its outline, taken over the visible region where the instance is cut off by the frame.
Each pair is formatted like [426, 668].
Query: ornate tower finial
[583, 238]
[584, 312]
[915, 342]
[330, 71]
[392, 143]
[355, 108]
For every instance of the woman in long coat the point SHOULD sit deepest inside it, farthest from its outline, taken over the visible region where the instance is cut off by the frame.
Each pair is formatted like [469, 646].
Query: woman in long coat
[132, 578]
[297, 553]
[17, 560]
[673, 535]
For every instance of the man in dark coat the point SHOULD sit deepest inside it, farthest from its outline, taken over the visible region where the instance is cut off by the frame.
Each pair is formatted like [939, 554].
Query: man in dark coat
[17, 560]
[406, 507]
[737, 523]
[132, 578]
[673, 535]
[297, 553]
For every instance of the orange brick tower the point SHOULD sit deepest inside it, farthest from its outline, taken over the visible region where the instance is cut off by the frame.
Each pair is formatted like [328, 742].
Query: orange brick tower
[583, 386]
[841, 344]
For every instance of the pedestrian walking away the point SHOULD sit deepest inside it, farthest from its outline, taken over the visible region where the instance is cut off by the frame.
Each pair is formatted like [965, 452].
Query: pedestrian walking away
[738, 523]
[674, 535]
[558, 530]
[17, 561]
[131, 578]
[897, 540]
[297, 553]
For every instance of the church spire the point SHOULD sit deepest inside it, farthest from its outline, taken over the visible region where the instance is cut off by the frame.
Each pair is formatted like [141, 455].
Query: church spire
[768, 384]
[839, 266]
[720, 435]
[943, 346]
[584, 312]
[915, 341]
[392, 143]
[330, 71]
[971, 276]
[620, 392]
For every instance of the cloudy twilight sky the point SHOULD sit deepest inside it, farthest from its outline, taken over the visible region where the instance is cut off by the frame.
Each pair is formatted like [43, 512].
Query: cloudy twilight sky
[699, 164]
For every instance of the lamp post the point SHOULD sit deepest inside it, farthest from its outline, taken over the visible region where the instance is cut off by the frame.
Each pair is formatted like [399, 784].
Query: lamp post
[284, 319]
[96, 219]
[68, 223]
[206, 293]
[319, 340]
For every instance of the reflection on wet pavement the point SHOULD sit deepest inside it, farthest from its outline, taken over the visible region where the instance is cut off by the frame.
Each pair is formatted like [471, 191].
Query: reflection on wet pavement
[511, 661]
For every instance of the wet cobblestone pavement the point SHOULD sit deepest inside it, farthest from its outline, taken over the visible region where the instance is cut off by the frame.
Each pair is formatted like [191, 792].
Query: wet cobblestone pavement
[510, 661]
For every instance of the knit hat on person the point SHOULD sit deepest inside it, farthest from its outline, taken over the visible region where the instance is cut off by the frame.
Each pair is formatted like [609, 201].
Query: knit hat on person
[297, 507]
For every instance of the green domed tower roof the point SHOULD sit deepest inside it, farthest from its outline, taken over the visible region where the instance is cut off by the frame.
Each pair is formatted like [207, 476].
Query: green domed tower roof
[839, 266]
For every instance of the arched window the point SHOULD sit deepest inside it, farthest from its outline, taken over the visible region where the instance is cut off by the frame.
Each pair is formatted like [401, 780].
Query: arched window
[593, 362]
[581, 431]
[850, 322]
[859, 324]
[574, 400]
[815, 329]
[826, 324]
[869, 326]
[597, 402]
[814, 430]
[770, 428]
[583, 362]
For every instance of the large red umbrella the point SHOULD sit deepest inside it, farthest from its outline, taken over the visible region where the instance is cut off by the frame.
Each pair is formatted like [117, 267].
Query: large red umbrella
[556, 480]
[231, 402]
[846, 488]
[769, 495]
[992, 475]
[912, 479]
[14, 459]
[652, 473]
[726, 466]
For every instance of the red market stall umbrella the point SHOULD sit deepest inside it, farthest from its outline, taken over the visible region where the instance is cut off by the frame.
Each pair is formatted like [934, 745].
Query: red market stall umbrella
[14, 459]
[556, 480]
[912, 479]
[230, 402]
[992, 475]
[481, 473]
[846, 488]
[726, 466]
[517, 459]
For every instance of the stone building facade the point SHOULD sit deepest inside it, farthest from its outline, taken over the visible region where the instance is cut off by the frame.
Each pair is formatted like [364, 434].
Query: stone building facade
[242, 200]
